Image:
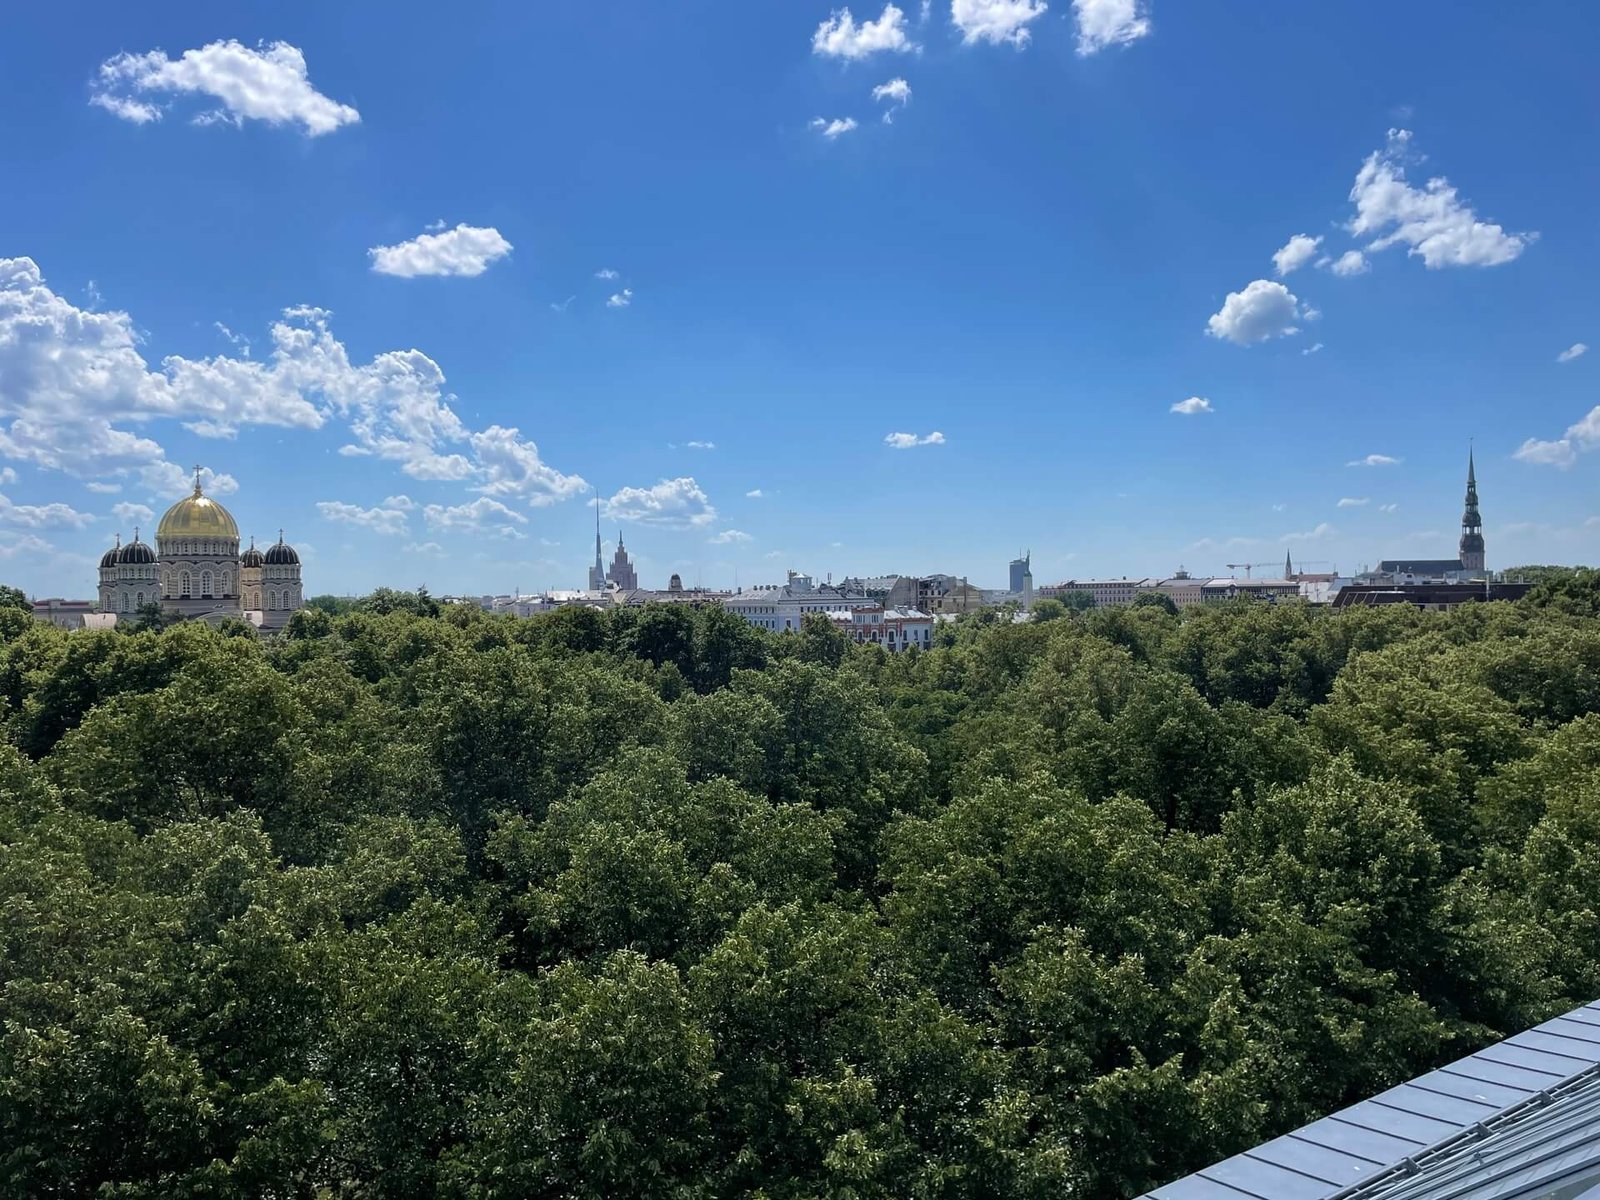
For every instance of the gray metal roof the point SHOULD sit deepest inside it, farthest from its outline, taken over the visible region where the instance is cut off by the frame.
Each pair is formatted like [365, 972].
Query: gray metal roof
[1518, 1120]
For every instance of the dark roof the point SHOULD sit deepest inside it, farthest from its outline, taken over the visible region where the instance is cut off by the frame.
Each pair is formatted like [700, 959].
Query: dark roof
[251, 557]
[1517, 1119]
[109, 558]
[138, 553]
[280, 554]
[1420, 566]
[1427, 593]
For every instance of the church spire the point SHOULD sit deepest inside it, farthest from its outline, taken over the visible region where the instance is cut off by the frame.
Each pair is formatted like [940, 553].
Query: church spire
[1471, 521]
[1288, 566]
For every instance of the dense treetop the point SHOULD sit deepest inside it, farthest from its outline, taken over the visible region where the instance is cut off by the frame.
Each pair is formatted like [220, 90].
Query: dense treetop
[416, 901]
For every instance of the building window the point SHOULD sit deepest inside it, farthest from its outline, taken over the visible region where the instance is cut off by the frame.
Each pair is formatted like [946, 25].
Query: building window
[141, 600]
[205, 584]
[227, 584]
[183, 584]
[124, 601]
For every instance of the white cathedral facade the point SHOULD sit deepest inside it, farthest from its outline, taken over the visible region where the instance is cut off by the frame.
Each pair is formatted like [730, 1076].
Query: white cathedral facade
[196, 571]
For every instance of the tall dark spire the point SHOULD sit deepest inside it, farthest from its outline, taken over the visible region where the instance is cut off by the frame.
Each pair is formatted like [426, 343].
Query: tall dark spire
[1288, 566]
[1471, 521]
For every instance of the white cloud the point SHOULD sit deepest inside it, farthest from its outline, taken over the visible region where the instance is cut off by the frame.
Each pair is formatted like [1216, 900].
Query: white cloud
[1351, 262]
[1388, 508]
[1001, 21]
[1263, 310]
[1354, 502]
[465, 250]
[1193, 406]
[754, 494]
[905, 441]
[169, 479]
[620, 299]
[266, 84]
[896, 91]
[133, 514]
[482, 515]
[607, 273]
[730, 536]
[429, 548]
[1563, 452]
[27, 544]
[840, 37]
[378, 520]
[43, 516]
[672, 504]
[403, 503]
[1576, 350]
[1296, 253]
[72, 382]
[1311, 535]
[1314, 348]
[1431, 221]
[1375, 460]
[7, 475]
[1103, 23]
[832, 129]
[701, 445]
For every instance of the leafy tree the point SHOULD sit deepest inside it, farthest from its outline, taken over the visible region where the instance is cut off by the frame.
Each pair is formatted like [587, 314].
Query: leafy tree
[16, 598]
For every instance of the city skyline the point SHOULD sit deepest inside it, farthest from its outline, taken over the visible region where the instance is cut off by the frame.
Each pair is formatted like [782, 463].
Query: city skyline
[1049, 302]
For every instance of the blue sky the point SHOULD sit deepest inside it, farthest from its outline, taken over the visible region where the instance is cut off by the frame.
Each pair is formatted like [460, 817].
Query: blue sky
[211, 254]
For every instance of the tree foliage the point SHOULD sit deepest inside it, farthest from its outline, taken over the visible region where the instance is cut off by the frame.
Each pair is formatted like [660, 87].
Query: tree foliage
[413, 900]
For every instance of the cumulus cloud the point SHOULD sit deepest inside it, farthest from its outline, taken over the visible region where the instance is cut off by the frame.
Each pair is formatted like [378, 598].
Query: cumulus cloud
[1354, 502]
[482, 515]
[1375, 460]
[465, 250]
[265, 84]
[1193, 406]
[832, 129]
[133, 514]
[1296, 253]
[1000, 21]
[43, 516]
[73, 382]
[896, 91]
[671, 504]
[620, 299]
[1311, 535]
[1105, 23]
[754, 494]
[378, 520]
[1563, 451]
[429, 548]
[730, 537]
[1262, 311]
[905, 441]
[1431, 221]
[1576, 350]
[1312, 349]
[1351, 262]
[841, 37]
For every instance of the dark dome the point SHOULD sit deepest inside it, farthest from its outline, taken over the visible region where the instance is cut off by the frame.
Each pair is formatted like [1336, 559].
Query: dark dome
[251, 557]
[137, 553]
[281, 555]
[109, 558]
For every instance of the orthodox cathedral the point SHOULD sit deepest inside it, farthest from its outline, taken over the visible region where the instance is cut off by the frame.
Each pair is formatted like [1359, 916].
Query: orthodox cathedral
[196, 570]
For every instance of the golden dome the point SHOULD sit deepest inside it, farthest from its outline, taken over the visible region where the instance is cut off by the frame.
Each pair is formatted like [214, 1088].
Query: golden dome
[197, 516]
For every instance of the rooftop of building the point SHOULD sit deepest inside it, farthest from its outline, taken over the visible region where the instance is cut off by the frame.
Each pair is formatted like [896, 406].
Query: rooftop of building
[1518, 1120]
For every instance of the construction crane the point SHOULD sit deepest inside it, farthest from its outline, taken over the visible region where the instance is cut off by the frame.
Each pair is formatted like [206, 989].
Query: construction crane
[1247, 567]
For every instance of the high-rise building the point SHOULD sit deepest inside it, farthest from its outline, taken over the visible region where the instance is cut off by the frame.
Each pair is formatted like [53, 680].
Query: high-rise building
[621, 572]
[1471, 523]
[1020, 567]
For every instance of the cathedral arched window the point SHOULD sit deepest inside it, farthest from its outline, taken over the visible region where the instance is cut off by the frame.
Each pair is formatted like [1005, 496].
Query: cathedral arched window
[124, 601]
[140, 601]
[183, 584]
[227, 584]
[205, 584]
